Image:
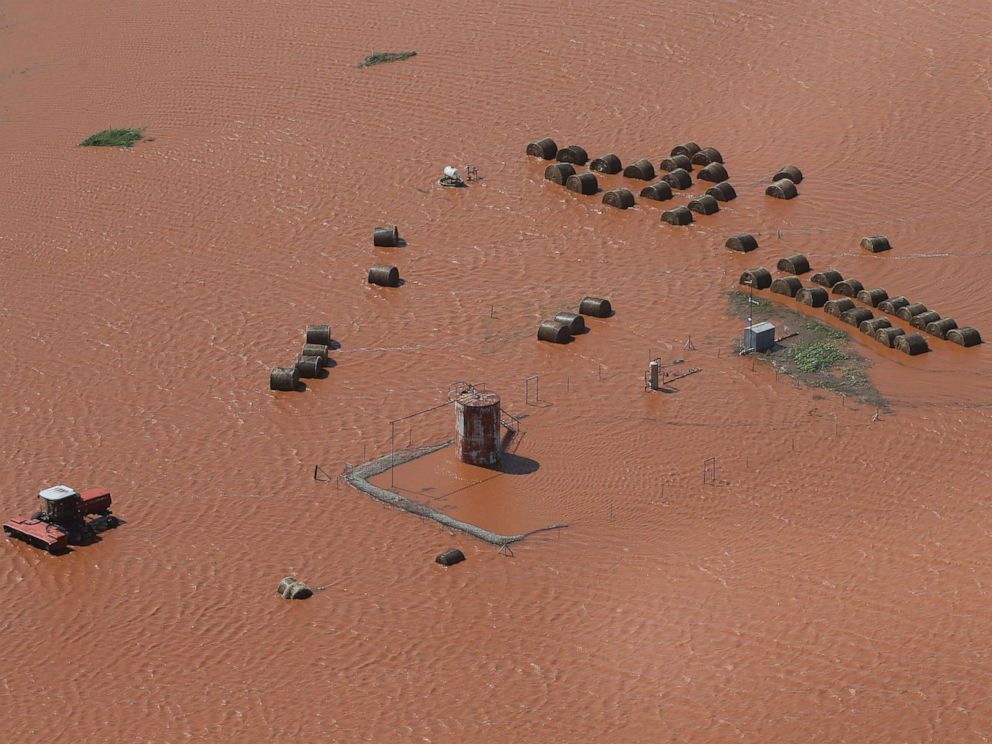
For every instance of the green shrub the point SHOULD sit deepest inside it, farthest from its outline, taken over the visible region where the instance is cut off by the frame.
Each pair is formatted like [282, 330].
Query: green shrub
[113, 138]
[379, 58]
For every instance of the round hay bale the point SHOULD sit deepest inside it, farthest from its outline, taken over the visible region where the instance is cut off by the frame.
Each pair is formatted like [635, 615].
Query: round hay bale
[450, 557]
[387, 236]
[812, 296]
[546, 149]
[707, 155]
[791, 172]
[759, 278]
[714, 172]
[554, 332]
[596, 307]
[678, 178]
[384, 275]
[559, 173]
[787, 285]
[722, 192]
[686, 148]
[876, 244]
[873, 296]
[575, 322]
[315, 350]
[642, 169]
[583, 183]
[794, 264]
[317, 334]
[838, 307]
[869, 327]
[887, 336]
[285, 584]
[298, 590]
[677, 216]
[283, 378]
[857, 316]
[964, 336]
[908, 312]
[572, 154]
[922, 320]
[893, 304]
[309, 366]
[619, 198]
[847, 288]
[784, 189]
[940, 328]
[660, 191]
[912, 344]
[676, 161]
[704, 205]
[742, 243]
[609, 163]
[827, 278]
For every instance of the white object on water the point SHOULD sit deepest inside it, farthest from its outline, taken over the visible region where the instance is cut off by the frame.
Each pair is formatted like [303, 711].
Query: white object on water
[451, 172]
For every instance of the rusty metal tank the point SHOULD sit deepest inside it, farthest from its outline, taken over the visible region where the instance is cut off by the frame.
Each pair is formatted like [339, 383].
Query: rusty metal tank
[477, 422]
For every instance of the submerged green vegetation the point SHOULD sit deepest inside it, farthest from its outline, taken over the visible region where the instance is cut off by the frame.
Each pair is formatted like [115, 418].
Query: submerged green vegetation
[815, 356]
[113, 138]
[381, 58]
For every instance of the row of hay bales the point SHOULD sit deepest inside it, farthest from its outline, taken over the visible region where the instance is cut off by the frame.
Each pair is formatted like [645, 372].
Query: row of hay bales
[745, 242]
[566, 325]
[784, 182]
[310, 362]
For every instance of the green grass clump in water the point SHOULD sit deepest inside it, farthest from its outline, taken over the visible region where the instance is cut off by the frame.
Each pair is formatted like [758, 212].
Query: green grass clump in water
[379, 58]
[816, 356]
[113, 138]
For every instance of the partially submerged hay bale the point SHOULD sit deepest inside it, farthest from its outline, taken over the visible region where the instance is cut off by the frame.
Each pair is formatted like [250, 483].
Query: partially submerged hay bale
[787, 285]
[893, 304]
[582, 183]
[759, 278]
[888, 336]
[387, 236]
[873, 297]
[450, 557]
[869, 327]
[704, 205]
[609, 163]
[827, 278]
[575, 322]
[285, 584]
[559, 173]
[908, 312]
[742, 243]
[678, 178]
[298, 590]
[309, 366]
[686, 148]
[857, 316]
[912, 344]
[317, 334]
[572, 154]
[553, 331]
[315, 350]
[782, 189]
[642, 169]
[619, 198]
[838, 307]
[707, 155]
[794, 264]
[847, 288]
[922, 320]
[677, 216]
[660, 191]
[964, 336]
[714, 172]
[676, 161]
[596, 307]
[546, 149]
[384, 275]
[812, 296]
[940, 328]
[283, 378]
[876, 244]
[791, 172]
[722, 192]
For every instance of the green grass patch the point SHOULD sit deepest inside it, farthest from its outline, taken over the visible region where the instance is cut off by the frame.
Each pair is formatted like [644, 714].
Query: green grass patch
[824, 332]
[113, 138]
[381, 58]
[815, 356]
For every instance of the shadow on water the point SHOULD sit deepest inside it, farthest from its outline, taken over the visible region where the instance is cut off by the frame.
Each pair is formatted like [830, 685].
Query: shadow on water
[510, 464]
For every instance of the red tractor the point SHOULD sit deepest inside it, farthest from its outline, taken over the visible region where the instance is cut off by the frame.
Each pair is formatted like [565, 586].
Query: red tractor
[64, 518]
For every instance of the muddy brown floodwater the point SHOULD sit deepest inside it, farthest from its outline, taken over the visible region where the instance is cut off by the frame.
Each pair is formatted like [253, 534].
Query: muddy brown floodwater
[832, 584]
